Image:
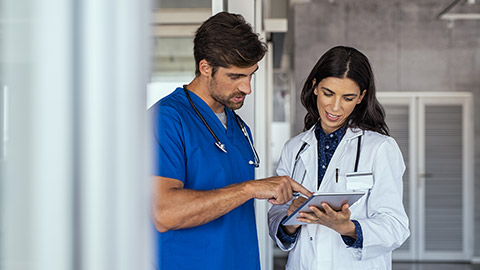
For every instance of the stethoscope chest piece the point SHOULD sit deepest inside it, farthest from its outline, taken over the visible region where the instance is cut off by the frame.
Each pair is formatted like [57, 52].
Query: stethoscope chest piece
[221, 146]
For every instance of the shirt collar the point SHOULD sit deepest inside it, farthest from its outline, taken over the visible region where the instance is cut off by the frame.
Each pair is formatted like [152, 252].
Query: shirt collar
[320, 134]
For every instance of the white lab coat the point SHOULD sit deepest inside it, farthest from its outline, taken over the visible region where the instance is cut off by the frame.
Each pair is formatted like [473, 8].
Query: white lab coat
[380, 211]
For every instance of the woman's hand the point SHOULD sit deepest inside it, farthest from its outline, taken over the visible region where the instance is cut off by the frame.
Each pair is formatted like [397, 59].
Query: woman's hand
[290, 229]
[338, 221]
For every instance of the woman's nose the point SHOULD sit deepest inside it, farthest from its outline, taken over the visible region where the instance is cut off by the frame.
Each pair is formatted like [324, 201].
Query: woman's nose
[336, 104]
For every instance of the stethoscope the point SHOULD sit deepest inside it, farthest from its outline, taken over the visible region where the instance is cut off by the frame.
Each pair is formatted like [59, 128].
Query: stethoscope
[220, 145]
[297, 157]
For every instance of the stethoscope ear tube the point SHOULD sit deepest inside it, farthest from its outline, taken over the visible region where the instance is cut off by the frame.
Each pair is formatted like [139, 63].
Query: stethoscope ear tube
[220, 145]
[357, 158]
[241, 124]
[297, 157]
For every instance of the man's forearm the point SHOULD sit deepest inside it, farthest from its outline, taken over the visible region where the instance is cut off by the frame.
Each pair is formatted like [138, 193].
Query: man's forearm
[179, 208]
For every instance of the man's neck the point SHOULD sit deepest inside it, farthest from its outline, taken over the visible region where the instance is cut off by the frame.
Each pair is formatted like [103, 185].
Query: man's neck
[199, 86]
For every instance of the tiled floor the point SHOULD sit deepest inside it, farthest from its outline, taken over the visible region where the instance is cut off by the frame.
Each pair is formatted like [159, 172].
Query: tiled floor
[279, 264]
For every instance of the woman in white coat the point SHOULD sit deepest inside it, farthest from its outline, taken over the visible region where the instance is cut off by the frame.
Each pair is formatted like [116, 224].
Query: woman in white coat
[345, 133]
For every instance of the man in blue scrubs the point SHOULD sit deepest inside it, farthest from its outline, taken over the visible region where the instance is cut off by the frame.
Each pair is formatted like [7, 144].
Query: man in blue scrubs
[203, 196]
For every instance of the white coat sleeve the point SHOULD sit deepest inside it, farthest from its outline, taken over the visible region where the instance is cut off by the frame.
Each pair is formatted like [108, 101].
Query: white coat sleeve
[278, 212]
[386, 225]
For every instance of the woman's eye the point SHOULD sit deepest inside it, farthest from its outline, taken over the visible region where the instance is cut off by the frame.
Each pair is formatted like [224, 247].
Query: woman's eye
[348, 99]
[327, 94]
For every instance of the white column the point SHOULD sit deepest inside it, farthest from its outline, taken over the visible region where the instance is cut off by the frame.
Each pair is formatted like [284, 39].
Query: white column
[247, 9]
[37, 164]
[52, 138]
[114, 182]
[15, 199]
[218, 6]
[257, 113]
[75, 184]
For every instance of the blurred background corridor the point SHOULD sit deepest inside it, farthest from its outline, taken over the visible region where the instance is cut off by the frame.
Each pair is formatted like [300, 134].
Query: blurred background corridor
[77, 77]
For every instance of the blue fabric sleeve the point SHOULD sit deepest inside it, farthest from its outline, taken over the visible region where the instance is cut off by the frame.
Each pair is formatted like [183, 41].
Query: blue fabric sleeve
[352, 242]
[284, 237]
[168, 144]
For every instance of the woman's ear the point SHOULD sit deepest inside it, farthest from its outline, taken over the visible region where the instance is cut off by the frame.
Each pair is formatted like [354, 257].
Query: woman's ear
[315, 91]
[205, 67]
[361, 96]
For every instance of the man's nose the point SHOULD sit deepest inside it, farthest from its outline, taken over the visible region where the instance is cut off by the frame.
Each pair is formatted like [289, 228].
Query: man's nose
[245, 88]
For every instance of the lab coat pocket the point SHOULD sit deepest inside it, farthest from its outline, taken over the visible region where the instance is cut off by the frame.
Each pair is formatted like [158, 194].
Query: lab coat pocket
[359, 181]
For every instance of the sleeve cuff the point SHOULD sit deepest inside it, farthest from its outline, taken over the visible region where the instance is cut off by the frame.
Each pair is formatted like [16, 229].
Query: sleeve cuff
[352, 242]
[284, 237]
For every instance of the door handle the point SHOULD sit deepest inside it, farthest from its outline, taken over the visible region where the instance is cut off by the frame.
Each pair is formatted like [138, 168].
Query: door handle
[422, 177]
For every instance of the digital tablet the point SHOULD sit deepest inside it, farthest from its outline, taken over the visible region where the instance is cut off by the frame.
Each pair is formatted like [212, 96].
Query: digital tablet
[335, 200]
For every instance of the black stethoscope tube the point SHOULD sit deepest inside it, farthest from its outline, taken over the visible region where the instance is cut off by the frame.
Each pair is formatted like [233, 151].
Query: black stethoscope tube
[357, 158]
[297, 157]
[220, 145]
[358, 153]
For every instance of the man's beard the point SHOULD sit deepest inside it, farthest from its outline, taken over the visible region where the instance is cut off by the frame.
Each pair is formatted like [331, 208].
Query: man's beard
[226, 100]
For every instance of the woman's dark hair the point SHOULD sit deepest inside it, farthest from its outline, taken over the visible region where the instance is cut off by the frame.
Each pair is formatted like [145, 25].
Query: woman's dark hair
[226, 40]
[346, 62]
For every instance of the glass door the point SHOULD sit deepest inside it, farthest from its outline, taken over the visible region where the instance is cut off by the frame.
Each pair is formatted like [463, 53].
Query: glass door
[444, 174]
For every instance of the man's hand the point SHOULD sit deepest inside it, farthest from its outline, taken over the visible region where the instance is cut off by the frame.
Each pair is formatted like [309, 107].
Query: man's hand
[277, 189]
[295, 204]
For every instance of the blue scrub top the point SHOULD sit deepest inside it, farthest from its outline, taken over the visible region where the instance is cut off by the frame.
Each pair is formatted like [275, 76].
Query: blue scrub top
[185, 150]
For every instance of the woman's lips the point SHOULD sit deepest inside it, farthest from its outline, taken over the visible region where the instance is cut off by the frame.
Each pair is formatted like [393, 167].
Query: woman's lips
[332, 117]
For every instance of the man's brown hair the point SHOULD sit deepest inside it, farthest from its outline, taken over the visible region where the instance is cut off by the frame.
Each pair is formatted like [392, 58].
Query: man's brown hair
[226, 40]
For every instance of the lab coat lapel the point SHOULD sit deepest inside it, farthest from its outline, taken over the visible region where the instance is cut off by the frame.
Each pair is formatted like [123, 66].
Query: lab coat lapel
[309, 159]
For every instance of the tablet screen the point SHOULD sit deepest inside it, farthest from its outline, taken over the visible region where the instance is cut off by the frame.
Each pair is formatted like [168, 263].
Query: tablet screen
[335, 200]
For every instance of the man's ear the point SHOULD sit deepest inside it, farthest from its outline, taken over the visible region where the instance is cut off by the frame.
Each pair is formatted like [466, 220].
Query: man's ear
[205, 67]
